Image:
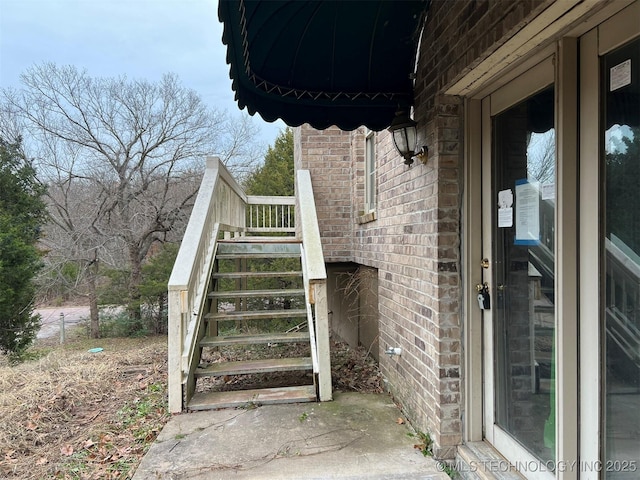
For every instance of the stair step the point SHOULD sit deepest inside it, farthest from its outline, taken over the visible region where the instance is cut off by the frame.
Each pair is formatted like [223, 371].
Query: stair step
[293, 292]
[255, 255]
[255, 339]
[256, 315]
[264, 396]
[291, 231]
[294, 273]
[255, 366]
[286, 249]
[260, 239]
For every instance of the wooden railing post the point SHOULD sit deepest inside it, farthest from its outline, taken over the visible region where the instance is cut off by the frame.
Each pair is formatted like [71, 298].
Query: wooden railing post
[322, 337]
[174, 366]
[307, 229]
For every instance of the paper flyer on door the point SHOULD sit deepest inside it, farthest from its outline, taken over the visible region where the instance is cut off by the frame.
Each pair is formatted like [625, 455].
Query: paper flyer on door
[527, 212]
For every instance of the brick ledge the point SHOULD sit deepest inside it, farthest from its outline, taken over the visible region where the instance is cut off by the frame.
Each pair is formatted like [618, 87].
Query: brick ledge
[367, 217]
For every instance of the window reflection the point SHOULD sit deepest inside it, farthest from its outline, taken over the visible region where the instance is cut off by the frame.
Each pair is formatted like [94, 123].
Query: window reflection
[524, 274]
[622, 265]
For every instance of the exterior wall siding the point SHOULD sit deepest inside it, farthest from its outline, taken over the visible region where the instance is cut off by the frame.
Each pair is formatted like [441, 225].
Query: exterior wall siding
[414, 240]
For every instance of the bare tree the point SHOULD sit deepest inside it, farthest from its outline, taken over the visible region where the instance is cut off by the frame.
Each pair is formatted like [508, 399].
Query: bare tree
[541, 156]
[121, 159]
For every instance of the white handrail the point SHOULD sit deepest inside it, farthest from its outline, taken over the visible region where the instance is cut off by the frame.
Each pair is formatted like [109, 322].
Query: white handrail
[308, 226]
[315, 275]
[270, 200]
[220, 200]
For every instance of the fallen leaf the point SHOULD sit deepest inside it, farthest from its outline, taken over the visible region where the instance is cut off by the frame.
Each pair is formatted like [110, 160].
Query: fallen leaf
[42, 461]
[66, 450]
[31, 426]
[88, 444]
[123, 451]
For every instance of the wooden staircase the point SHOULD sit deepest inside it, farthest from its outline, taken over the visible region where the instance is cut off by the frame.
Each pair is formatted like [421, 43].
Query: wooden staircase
[255, 344]
[240, 312]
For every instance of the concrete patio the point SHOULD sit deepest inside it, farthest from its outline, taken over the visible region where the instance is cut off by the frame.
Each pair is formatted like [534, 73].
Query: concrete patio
[356, 436]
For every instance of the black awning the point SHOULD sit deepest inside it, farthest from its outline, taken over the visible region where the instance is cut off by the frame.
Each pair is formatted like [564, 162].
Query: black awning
[323, 62]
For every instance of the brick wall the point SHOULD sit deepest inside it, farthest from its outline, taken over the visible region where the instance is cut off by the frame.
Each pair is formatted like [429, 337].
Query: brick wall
[414, 243]
[414, 240]
[328, 155]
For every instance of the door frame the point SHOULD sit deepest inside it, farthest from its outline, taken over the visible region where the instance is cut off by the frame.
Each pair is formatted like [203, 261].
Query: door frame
[534, 80]
[577, 274]
[478, 176]
[608, 35]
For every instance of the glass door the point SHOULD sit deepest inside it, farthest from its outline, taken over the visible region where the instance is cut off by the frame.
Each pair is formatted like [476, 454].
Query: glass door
[519, 221]
[609, 293]
[621, 255]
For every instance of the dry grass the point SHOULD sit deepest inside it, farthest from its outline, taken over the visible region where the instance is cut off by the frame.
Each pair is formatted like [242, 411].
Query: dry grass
[75, 414]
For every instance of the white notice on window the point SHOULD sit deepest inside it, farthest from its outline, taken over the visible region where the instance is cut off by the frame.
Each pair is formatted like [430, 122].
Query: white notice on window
[620, 75]
[548, 191]
[527, 213]
[505, 217]
[505, 210]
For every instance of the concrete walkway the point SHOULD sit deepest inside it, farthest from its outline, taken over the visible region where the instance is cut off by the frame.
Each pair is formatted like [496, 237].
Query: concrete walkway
[357, 436]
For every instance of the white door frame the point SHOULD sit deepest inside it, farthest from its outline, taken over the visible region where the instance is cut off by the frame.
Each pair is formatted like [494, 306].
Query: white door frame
[578, 420]
[478, 340]
[607, 36]
[534, 80]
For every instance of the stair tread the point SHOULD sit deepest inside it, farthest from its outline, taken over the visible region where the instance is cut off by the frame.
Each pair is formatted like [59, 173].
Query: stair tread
[256, 314]
[260, 248]
[263, 396]
[258, 293]
[238, 255]
[255, 339]
[259, 239]
[255, 366]
[291, 273]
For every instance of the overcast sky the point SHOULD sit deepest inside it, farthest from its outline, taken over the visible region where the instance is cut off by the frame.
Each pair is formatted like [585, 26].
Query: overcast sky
[141, 39]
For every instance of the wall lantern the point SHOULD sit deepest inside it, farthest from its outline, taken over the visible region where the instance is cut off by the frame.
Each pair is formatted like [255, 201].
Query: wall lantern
[405, 137]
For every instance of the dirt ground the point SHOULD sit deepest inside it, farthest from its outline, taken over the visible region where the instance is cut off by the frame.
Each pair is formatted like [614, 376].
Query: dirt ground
[76, 414]
[72, 414]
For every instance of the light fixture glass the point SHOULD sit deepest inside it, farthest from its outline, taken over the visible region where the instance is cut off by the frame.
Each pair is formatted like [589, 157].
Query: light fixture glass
[403, 129]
